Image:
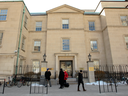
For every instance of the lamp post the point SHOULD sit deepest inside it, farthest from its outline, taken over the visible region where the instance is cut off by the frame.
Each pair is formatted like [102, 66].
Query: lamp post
[89, 57]
[44, 56]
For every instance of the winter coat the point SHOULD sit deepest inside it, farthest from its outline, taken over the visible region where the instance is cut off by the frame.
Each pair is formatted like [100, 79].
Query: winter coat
[80, 77]
[61, 77]
[47, 75]
[65, 75]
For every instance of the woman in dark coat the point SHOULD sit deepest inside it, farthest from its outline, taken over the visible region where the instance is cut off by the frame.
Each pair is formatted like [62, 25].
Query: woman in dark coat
[80, 80]
[61, 78]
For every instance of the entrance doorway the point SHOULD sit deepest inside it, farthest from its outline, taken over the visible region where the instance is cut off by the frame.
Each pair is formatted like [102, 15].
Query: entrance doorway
[68, 66]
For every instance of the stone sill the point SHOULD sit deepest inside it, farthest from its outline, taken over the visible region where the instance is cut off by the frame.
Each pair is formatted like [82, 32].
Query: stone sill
[36, 51]
[94, 52]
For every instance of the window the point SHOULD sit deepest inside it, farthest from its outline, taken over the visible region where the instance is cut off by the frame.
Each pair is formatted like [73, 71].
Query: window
[38, 26]
[36, 66]
[25, 22]
[91, 26]
[37, 45]
[23, 43]
[20, 66]
[94, 46]
[1, 36]
[65, 24]
[3, 15]
[124, 20]
[96, 64]
[126, 41]
[66, 44]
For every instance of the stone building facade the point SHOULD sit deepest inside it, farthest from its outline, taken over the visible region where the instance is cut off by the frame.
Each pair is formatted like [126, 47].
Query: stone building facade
[65, 34]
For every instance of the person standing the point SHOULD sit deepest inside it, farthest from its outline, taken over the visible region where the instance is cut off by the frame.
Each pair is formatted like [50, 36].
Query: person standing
[47, 77]
[61, 78]
[65, 76]
[80, 80]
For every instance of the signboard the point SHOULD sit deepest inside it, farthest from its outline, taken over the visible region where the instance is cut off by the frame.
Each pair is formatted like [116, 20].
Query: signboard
[50, 68]
[81, 68]
[43, 69]
[91, 68]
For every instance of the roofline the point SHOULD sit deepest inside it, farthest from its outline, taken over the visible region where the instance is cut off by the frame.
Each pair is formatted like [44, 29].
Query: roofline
[113, 1]
[113, 8]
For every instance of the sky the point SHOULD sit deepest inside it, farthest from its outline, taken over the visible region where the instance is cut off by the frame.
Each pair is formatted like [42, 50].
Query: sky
[45, 5]
[35, 6]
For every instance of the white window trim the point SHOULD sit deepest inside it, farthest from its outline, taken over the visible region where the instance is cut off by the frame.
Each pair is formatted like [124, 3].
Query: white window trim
[33, 46]
[97, 45]
[62, 44]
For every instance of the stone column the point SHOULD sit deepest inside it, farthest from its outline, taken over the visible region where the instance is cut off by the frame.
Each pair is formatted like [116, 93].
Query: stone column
[43, 69]
[91, 77]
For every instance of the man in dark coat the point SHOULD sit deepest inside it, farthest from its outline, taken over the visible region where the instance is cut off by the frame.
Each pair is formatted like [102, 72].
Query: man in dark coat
[61, 78]
[47, 77]
[80, 80]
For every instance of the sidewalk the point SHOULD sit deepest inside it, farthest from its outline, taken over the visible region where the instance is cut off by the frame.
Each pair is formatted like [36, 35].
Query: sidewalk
[92, 90]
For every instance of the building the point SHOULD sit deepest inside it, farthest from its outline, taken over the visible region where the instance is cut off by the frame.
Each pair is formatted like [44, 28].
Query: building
[65, 34]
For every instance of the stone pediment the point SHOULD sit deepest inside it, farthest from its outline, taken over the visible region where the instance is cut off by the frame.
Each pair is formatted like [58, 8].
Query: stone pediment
[65, 9]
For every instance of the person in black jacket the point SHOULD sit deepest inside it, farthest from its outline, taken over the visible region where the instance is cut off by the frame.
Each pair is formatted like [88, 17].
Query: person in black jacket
[80, 80]
[61, 78]
[47, 77]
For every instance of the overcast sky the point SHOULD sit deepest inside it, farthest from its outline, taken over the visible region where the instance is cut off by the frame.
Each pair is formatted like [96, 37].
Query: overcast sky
[45, 5]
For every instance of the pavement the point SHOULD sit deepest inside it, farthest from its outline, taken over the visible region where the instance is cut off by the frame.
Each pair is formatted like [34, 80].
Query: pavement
[92, 90]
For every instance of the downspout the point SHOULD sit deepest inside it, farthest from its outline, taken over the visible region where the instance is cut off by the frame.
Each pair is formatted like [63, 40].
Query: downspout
[20, 39]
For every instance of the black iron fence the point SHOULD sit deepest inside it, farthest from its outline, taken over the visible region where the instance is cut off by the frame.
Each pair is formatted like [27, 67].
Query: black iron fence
[2, 86]
[109, 76]
[32, 74]
[85, 73]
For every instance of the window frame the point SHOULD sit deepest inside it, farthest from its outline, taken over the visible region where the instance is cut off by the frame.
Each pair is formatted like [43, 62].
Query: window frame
[125, 41]
[94, 63]
[34, 46]
[125, 21]
[65, 24]
[1, 38]
[21, 66]
[91, 46]
[36, 67]
[93, 26]
[69, 44]
[23, 43]
[26, 22]
[3, 14]
[38, 26]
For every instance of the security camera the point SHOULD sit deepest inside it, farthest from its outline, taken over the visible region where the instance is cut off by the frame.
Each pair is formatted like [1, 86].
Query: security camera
[15, 51]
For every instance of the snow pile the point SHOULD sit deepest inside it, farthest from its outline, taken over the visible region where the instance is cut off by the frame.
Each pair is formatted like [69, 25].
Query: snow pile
[105, 83]
[35, 84]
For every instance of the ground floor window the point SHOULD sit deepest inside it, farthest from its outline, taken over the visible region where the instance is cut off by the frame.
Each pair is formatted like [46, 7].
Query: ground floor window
[36, 64]
[96, 65]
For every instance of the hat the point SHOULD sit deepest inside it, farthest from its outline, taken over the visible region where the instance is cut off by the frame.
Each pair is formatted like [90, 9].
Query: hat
[47, 68]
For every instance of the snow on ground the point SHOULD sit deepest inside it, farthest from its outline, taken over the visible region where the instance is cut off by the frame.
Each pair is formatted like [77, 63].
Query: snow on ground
[105, 83]
[36, 84]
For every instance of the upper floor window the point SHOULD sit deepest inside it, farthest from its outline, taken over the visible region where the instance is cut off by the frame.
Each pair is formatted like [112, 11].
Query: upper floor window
[3, 15]
[91, 26]
[38, 26]
[25, 22]
[66, 45]
[65, 24]
[1, 36]
[36, 68]
[96, 64]
[126, 41]
[37, 45]
[23, 43]
[124, 20]
[94, 46]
